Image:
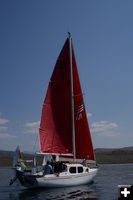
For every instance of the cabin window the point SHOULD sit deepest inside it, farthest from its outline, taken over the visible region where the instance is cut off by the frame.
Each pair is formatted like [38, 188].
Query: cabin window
[72, 170]
[80, 169]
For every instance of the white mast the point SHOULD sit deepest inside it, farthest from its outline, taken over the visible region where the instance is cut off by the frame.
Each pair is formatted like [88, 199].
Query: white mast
[72, 96]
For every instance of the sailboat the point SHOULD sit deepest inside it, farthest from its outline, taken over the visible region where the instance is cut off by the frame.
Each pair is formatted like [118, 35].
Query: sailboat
[64, 131]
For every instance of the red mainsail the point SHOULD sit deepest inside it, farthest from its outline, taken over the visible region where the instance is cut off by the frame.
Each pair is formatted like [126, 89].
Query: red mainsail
[56, 120]
[55, 126]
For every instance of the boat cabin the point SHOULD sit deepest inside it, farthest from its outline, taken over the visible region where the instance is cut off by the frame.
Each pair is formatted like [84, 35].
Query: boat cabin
[68, 169]
[74, 168]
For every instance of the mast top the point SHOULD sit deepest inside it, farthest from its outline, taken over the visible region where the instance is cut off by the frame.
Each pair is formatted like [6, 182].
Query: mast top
[69, 35]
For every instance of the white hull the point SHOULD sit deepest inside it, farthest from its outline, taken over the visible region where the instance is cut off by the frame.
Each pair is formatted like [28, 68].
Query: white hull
[72, 174]
[53, 181]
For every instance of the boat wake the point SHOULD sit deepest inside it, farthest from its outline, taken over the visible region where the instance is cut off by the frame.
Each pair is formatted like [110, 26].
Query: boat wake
[78, 193]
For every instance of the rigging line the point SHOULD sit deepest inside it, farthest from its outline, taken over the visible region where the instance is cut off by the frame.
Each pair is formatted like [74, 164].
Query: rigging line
[35, 144]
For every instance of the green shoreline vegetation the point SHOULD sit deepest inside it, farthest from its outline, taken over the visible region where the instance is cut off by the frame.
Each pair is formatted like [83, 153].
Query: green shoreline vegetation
[103, 156]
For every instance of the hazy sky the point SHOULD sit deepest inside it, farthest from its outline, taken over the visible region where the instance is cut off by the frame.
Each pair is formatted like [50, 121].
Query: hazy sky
[32, 33]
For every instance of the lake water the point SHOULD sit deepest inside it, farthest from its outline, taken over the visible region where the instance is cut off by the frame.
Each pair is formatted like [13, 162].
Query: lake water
[104, 187]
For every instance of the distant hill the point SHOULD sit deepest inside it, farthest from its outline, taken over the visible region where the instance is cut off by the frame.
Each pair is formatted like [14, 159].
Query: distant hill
[128, 148]
[103, 156]
[114, 155]
[4, 152]
[114, 149]
[6, 157]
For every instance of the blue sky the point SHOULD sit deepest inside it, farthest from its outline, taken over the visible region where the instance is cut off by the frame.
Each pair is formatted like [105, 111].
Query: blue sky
[32, 34]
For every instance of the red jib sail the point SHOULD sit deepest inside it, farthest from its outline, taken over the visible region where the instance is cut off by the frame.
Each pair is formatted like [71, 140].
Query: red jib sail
[56, 120]
[84, 147]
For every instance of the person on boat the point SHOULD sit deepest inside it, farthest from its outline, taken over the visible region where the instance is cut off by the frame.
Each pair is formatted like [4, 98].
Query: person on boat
[13, 179]
[48, 169]
[86, 161]
[53, 163]
[20, 166]
[53, 158]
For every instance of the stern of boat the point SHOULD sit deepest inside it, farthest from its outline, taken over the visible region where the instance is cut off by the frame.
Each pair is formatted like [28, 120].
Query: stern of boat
[26, 178]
